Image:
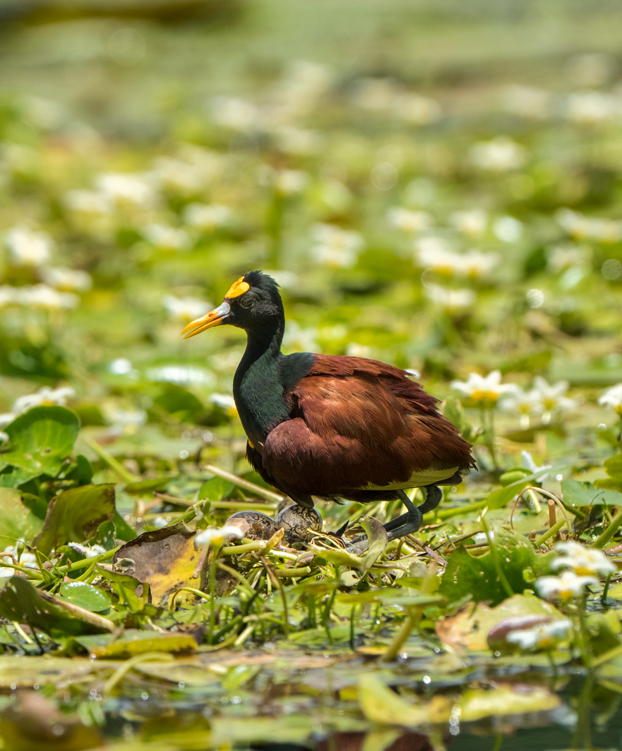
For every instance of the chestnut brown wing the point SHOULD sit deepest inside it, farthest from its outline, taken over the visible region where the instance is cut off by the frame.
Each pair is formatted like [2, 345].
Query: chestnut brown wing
[360, 424]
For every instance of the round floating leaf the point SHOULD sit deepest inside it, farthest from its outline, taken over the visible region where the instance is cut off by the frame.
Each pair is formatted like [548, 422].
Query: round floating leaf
[85, 596]
[39, 441]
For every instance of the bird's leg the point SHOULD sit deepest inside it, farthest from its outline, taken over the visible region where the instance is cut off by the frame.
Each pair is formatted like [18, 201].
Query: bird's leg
[433, 496]
[407, 523]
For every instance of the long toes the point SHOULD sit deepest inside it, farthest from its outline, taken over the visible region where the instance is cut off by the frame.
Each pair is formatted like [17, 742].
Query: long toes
[412, 524]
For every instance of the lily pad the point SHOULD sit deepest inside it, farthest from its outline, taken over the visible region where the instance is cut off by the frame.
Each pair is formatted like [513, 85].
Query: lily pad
[85, 596]
[39, 441]
[74, 515]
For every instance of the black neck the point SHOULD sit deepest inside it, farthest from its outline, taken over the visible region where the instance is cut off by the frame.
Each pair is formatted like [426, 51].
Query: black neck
[257, 387]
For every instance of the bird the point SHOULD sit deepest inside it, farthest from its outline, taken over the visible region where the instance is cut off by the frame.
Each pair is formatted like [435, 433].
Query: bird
[334, 427]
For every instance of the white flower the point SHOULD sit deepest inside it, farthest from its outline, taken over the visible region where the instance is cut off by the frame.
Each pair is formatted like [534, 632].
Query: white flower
[472, 222]
[528, 102]
[613, 398]
[354, 349]
[160, 522]
[408, 220]
[182, 375]
[26, 559]
[335, 247]
[579, 226]
[290, 182]
[528, 463]
[88, 203]
[127, 420]
[217, 536]
[85, 550]
[475, 264]
[44, 397]
[434, 253]
[28, 248]
[563, 587]
[552, 396]
[507, 229]
[592, 108]
[544, 636]
[416, 109]
[573, 222]
[297, 141]
[583, 561]
[185, 308]
[502, 154]
[126, 191]
[526, 403]
[69, 280]
[45, 297]
[234, 113]
[208, 217]
[451, 300]
[484, 390]
[177, 176]
[563, 257]
[299, 339]
[166, 237]
[225, 402]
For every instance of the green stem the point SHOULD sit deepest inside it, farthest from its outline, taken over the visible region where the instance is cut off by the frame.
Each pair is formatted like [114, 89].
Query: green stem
[551, 532]
[212, 591]
[613, 527]
[495, 559]
[110, 460]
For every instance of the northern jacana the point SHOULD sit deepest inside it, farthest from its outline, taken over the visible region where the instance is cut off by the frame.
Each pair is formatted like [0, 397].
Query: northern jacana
[329, 426]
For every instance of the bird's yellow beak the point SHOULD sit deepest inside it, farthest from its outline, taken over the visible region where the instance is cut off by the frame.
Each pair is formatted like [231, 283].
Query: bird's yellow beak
[213, 318]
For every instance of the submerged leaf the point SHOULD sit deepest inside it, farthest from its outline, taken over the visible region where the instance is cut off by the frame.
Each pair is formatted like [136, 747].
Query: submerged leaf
[74, 515]
[131, 643]
[382, 705]
[506, 700]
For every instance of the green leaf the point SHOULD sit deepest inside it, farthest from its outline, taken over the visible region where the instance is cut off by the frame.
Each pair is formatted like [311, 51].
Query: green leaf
[613, 467]
[19, 518]
[215, 489]
[39, 441]
[85, 596]
[478, 576]
[134, 642]
[577, 493]
[147, 487]
[382, 705]
[74, 515]
[377, 540]
[20, 601]
[500, 498]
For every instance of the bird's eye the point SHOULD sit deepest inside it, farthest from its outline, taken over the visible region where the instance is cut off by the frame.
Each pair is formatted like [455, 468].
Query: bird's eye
[246, 302]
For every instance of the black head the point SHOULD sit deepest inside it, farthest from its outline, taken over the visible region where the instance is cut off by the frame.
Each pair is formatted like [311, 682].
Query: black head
[253, 303]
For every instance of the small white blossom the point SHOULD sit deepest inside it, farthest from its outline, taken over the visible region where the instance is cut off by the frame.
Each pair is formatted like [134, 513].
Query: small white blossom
[451, 300]
[44, 397]
[613, 398]
[472, 222]
[408, 220]
[127, 420]
[484, 390]
[563, 587]
[127, 191]
[225, 402]
[208, 217]
[525, 403]
[166, 237]
[290, 182]
[335, 247]
[28, 248]
[475, 264]
[583, 561]
[91, 204]
[551, 396]
[544, 636]
[44, 297]
[70, 280]
[528, 102]
[416, 109]
[435, 253]
[177, 176]
[86, 550]
[563, 257]
[502, 154]
[217, 536]
[234, 113]
[185, 308]
[507, 229]
[592, 108]
[297, 141]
